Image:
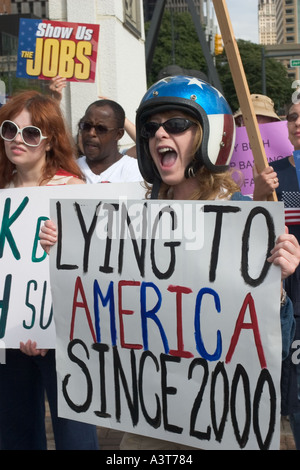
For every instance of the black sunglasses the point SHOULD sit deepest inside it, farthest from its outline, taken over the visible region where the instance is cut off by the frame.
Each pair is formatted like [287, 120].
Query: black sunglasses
[172, 126]
[87, 126]
[292, 117]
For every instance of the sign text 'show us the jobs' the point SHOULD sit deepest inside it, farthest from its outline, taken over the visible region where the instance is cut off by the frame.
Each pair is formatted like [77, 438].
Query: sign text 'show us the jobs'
[51, 48]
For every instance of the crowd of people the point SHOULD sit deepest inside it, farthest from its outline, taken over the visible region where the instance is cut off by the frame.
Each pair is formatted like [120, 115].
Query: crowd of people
[281, 176]
[177, 158]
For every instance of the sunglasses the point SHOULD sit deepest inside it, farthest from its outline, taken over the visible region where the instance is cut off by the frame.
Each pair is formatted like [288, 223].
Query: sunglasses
[292, 117]
[172, 126]
[100, 130]
[31, 135]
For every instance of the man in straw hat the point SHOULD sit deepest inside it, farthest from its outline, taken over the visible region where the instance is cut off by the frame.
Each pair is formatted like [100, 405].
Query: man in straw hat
[263, 108]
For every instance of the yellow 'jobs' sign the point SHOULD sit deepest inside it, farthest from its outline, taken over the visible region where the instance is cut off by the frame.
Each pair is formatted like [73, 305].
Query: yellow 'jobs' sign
[51, 48]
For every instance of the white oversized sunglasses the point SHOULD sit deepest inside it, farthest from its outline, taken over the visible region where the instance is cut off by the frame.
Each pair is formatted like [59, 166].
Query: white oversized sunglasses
[31, 135]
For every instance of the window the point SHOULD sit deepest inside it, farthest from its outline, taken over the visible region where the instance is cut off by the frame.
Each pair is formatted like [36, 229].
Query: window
[132, 17]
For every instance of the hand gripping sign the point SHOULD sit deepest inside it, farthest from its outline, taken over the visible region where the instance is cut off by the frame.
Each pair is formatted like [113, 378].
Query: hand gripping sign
[51, 48]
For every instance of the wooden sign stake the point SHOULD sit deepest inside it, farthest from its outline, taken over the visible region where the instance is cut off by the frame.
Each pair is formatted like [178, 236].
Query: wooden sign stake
[241, 87]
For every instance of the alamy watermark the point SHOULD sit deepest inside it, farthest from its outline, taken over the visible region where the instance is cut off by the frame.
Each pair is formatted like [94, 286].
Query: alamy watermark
[159, 221]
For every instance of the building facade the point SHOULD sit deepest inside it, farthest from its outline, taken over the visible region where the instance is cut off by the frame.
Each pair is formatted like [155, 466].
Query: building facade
[284, 16]
[287, 17]
[175, 5]
[267, 30]
[120, 59]
[5, 7]
[29, 7]
[288, 29]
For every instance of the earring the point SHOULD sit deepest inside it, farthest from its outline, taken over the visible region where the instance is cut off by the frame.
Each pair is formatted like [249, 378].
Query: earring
[191, 172]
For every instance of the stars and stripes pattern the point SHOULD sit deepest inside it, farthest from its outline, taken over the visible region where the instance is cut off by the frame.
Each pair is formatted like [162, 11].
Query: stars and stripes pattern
[203, 93]
[291, 201]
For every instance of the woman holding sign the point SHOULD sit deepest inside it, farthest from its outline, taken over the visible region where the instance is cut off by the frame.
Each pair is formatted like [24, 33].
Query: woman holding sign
[35, 150]
[185, 137]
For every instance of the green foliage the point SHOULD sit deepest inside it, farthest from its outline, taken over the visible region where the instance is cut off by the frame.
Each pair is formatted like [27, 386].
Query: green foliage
[278, 85]
[185, 51]
[14, 84]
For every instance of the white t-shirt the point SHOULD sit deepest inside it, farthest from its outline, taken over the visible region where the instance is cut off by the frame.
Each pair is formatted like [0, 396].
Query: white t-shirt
[124, 170]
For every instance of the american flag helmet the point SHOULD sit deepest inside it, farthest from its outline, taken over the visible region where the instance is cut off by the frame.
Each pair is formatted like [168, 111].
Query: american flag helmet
[201, 100]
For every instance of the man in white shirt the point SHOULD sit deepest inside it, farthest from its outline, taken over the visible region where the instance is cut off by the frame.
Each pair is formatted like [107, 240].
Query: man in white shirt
[100, 129]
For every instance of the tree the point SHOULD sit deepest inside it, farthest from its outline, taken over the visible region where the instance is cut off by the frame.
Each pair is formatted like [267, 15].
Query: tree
[185, 51]
[278, 84]
[14, 84]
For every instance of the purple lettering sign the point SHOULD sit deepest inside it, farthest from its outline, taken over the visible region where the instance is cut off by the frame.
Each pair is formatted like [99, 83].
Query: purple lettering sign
[276, 144]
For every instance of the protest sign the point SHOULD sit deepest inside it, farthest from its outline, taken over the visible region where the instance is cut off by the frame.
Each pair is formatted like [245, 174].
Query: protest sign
[167, 319]
[49, 48]
[25, 296]
[276, 144]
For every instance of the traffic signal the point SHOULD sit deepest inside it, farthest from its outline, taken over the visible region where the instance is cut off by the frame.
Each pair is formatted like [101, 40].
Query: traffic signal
[218, 44]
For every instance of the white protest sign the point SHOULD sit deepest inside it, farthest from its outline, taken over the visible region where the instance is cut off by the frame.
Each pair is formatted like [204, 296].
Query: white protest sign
[167, 319]
[25, 296]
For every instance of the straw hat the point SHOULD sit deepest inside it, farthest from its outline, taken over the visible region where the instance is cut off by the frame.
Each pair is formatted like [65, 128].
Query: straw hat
[263, 106]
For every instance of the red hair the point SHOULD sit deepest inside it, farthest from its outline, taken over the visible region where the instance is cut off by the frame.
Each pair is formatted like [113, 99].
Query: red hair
[45, 114]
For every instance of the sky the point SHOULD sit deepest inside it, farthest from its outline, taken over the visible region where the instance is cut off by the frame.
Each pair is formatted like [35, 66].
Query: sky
[244, 19]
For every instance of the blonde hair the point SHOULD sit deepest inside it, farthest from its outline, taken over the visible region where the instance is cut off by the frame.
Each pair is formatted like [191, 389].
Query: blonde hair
[211, 186]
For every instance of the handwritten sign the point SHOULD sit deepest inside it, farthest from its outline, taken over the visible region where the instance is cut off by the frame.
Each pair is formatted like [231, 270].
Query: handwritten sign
[25, 295]
[51, 48]
[167, 319]
[276, 144]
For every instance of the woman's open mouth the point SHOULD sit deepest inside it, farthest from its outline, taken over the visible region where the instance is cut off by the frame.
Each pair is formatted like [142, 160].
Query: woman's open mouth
[168, 157]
